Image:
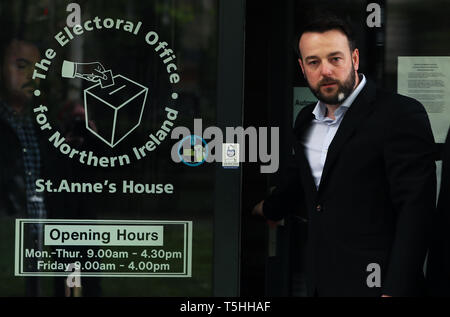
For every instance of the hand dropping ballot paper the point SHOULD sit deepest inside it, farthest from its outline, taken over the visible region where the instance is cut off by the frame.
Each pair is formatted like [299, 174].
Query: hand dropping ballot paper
[115, 102]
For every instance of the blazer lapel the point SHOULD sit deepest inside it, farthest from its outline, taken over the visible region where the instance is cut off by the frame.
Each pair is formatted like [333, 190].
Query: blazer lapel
[302, 123]
[360, 108]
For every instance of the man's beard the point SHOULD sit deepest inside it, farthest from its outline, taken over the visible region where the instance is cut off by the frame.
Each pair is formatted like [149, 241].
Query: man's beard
[343, 89]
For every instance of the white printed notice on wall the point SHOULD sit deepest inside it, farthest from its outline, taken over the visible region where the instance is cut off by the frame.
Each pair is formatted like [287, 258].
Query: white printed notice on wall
[427, 79]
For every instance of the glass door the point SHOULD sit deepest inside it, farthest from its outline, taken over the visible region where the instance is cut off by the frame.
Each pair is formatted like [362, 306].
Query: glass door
[105, 185]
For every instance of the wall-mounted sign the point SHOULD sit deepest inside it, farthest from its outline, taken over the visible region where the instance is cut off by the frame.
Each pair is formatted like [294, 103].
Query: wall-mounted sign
[427, 79]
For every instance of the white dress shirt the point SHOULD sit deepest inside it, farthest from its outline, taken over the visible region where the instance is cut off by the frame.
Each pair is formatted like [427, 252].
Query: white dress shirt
[318, 138]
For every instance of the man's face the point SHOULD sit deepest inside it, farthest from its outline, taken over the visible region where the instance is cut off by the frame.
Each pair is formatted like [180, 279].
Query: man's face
[18, 66]
[328, 65]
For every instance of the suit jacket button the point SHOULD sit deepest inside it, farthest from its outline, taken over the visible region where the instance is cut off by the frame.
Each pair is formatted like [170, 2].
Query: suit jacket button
[319, 208]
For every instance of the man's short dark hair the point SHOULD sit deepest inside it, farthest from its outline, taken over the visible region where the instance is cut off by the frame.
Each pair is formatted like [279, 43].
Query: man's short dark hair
[327, 22]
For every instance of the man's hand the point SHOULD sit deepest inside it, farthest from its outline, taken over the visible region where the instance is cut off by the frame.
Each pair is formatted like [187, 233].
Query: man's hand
[258, 211]
[92, 72]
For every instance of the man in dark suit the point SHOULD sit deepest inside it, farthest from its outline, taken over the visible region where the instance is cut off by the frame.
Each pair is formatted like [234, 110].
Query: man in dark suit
[364, 175]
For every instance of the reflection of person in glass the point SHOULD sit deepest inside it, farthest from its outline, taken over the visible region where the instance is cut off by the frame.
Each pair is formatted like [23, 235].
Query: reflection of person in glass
[21, 160]
[364, 175]
[19, 134]
[26, 157]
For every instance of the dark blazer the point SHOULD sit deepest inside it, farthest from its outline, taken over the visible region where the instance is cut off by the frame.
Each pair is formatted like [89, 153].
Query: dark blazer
[438, 265]
[375, 200]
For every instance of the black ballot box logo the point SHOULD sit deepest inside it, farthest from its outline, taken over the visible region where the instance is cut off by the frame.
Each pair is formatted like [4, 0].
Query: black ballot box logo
[114, 102]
